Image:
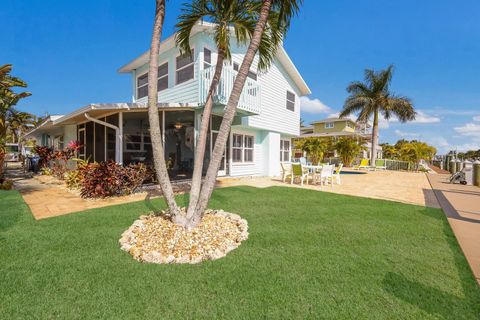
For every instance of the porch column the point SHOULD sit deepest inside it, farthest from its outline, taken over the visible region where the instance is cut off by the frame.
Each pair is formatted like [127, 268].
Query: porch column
[119, 140]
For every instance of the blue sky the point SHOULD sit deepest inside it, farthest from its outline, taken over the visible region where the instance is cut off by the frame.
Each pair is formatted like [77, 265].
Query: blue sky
[69, 53]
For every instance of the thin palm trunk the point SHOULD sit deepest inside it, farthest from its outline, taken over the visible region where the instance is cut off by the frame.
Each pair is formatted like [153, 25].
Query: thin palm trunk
[202, 138]
[229, 114]
[373, 156]
[157, 143]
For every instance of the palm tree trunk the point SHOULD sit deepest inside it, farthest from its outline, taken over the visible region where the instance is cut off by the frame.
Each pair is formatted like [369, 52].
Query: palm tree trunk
[202, 138]
[157, 143]
[229, 114]
[373, 156]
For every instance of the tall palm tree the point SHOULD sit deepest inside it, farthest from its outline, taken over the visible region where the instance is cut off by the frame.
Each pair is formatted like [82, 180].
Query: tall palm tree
[373, 97]
[8, 100]
[285, 10]
[154, 120]
[239, 17]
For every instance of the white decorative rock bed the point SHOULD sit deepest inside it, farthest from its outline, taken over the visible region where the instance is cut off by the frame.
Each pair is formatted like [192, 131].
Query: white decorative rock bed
[155, 239]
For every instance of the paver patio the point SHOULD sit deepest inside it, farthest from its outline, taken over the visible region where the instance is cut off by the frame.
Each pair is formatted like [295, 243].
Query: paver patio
[461, 205]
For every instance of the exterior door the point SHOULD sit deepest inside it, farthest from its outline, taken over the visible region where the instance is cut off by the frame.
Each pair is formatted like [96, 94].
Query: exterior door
[222, 171]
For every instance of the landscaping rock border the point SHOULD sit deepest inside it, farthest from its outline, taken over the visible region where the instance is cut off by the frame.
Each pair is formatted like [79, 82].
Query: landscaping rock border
[155, 239]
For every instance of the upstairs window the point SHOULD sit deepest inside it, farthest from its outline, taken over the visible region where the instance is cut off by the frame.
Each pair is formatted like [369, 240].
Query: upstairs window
[290, 101]
[207, 58]
[142, 86]
[142, 81]
[163, 77]
[284, 150]
[185, 68]
[242, 148]
[251, 74]
[329, 125]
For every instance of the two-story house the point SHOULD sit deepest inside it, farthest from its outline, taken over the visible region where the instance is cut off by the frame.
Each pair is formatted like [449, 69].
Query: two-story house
[267, 116]
[335, 128]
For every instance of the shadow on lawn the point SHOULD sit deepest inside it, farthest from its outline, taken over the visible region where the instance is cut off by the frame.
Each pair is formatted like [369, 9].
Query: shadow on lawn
[433, 300]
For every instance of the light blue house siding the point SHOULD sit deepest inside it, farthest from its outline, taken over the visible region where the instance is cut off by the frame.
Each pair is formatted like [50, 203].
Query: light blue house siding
[274, 121]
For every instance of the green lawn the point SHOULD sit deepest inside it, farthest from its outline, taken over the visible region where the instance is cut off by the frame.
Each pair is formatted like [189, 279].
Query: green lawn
[309, 255]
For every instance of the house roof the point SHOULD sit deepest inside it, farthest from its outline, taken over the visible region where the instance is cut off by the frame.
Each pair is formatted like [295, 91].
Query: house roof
[47, 124]
[97, 110]
[333, 119]
[169, 43]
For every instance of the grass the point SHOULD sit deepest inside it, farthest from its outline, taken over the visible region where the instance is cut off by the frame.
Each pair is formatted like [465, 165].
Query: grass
[309, 255]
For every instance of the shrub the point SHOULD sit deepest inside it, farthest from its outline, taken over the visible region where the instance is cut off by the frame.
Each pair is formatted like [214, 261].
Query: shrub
[45, 153]
[107, 179]
[6, 185]
[74, 178]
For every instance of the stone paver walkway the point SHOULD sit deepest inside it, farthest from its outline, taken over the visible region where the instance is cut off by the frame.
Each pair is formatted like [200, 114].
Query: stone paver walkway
[461, 205]
[406, 187]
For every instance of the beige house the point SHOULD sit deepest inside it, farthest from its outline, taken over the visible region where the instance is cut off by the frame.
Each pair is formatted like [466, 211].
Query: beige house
[342, 127]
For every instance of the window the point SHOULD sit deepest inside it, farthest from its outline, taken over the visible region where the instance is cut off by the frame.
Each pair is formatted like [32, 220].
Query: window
[137, 142]
[284, 150]
[185, 68]
[350, 125]
[207, 58]
[163, 77]
[142, 86]
[142, 81]
[251, 74]
[290, 101]
[329, 125]
[242, 148]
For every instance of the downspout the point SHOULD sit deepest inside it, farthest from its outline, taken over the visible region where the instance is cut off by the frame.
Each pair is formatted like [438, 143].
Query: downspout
[118, 139]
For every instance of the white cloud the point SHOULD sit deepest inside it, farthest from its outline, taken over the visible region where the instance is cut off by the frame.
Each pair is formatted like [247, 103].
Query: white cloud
[476, 118]
[469, 130]
[404, 134]
[422, 117]
[313, 106]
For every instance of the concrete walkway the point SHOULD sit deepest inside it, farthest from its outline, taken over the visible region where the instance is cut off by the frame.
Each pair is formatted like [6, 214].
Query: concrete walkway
[461, 205]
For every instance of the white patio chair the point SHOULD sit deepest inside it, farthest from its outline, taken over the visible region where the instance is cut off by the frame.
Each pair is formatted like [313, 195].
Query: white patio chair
[336, 173]
[326, 174]
[286, 170]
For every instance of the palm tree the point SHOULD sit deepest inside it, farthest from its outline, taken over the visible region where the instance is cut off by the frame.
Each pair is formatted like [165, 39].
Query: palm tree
[157, 144]
[284, 9]
[238, 16]
[373, 96]
[8, 100]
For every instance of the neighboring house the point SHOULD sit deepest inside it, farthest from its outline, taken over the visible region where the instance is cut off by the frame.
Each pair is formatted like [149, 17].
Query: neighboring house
[342, 127]
[268, 114]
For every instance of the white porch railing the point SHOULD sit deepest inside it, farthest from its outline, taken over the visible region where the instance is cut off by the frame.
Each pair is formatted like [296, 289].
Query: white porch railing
[249, 100]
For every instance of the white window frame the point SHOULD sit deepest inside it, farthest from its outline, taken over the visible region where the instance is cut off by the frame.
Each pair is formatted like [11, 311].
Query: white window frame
[329, 125]
[243, 148]
[146, 84]
[283, 150]
[184, 67]
[288, 100]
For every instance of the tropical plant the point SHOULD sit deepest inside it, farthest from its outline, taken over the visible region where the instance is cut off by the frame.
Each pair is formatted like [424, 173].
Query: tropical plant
[389, 151]
[8, 100]
[105, 179]
[372, 98]
[239, 17]
[314, 147]
[414, 151]
[45, 154]
[349, 148]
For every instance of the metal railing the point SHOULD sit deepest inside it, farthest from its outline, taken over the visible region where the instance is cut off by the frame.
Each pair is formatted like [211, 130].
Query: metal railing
[398, 165]
[249, 99]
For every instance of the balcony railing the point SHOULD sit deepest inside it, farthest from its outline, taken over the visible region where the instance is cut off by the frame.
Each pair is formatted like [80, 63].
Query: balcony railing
[249, 99]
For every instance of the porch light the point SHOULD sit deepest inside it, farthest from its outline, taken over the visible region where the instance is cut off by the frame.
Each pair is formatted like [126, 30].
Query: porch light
[177, 125]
